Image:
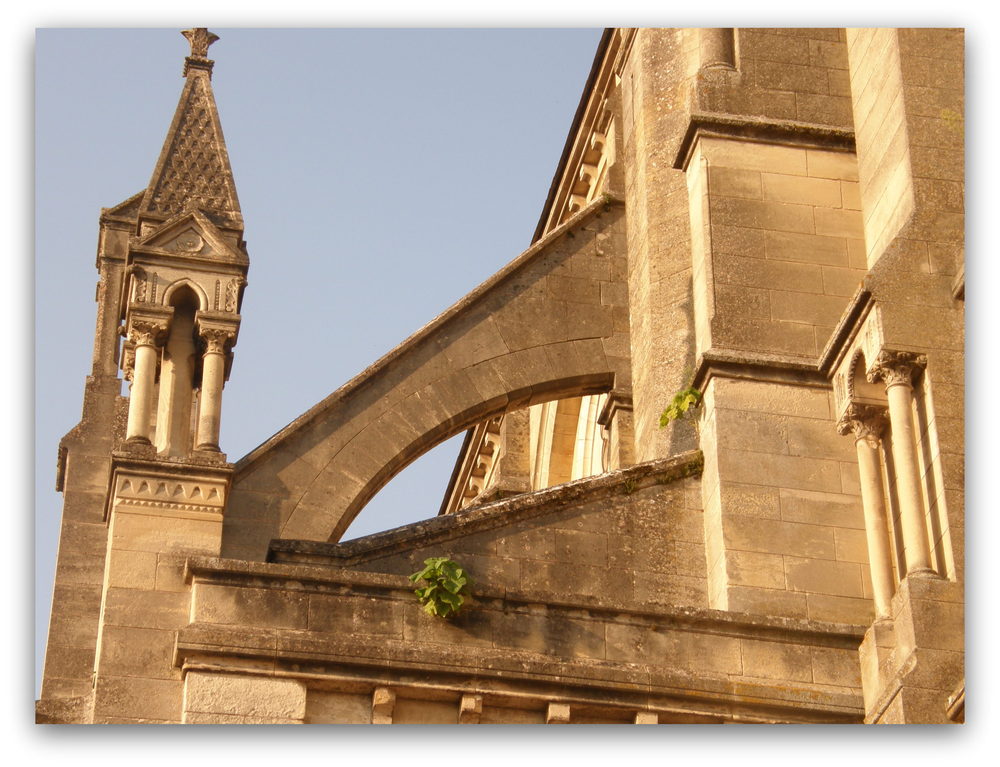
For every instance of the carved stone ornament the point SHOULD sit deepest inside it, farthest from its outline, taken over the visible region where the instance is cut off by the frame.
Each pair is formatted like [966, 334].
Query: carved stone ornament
[146, 332]
[233, 292]
[128, 362]
[200, 39]
[866, 422]
[896, 368]
[139, 283]
[188, 242]
[216, 339]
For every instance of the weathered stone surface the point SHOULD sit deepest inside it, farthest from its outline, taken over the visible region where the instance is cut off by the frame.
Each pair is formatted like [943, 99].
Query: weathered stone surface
[774, 217]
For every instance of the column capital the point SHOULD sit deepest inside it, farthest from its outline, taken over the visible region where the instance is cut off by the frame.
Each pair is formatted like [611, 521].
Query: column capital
[216, 339]
[866, 422]
[147, 331]
[218, 330]
[896, 368]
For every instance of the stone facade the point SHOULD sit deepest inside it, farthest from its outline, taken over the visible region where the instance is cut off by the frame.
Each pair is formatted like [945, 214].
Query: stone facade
[772, 217]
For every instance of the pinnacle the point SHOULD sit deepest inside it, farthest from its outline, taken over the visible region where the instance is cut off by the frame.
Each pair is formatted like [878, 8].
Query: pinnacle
[193, 171]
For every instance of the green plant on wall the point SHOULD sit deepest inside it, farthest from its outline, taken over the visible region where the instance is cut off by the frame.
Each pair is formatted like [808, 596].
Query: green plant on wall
[447, 587]
[684, 403]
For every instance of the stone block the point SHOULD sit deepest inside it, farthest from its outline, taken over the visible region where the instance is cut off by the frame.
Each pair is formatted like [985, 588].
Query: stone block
[807, 248]
[139, 698]
[671, 589]
[804, 307]
[777, 660]
[838, 223]
[852, 545]
[802, 190]
[838, 609]
[141, 608]
[763, 273]
[754, 156]
[821, 576]
[836, 165]
[412, 711]
[201, 718]
[746, 599]
[757, 214]
[327, 707]
[505, 715]
[764, 397]
[835, 666]
[141, 532]
[738, 240]
[132, 570]
[734, 182]
[551, 635]
[138, 652]
[750, 500]
[272, 608]
[818, 439]
[792, 471]
[838, 281]
[241, 695]
[748, 568]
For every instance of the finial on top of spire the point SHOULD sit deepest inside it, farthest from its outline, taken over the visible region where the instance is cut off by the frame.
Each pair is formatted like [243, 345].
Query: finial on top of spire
[199, 38]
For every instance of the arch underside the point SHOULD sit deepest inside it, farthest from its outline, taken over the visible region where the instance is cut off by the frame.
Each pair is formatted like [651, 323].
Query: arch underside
[552, 324]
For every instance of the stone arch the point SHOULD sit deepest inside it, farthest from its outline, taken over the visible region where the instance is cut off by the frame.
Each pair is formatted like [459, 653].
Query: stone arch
[552, 324]
[859, 389]
[197, 289]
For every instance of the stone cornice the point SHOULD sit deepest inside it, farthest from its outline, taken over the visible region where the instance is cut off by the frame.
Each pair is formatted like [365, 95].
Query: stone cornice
[732, 363]
[760, 130]
[507, 672]
[847, 329]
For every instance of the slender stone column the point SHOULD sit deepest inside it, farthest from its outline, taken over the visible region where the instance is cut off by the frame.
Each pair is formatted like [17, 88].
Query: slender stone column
[144, 335]
[895, 369]
[717, 47]
[212, 377]
[867, 425]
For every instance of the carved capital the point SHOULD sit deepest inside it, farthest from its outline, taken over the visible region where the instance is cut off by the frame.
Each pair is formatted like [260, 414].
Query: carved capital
[216, 339]
[866, 422]
[147, 332]
[896, 368]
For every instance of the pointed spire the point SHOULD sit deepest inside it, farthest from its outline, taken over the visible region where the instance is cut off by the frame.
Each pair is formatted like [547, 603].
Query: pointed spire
[193, 171]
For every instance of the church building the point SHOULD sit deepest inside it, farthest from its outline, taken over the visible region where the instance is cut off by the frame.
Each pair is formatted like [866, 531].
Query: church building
[713, 415]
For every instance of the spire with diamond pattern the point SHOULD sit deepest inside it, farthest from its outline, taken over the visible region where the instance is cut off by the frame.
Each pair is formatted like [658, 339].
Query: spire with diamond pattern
[193, 171]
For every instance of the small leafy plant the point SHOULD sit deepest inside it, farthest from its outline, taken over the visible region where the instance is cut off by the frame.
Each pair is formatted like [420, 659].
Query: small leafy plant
[447, 589]
[684, 403]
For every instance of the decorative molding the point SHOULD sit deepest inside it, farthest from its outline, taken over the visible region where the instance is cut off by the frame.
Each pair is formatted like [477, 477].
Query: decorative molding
[233, 292]
[760, 130]
[866, 422]
[200, 39]
[895, 368]
[128, 362]
[147, 331]
[139, 280]
[216, 339]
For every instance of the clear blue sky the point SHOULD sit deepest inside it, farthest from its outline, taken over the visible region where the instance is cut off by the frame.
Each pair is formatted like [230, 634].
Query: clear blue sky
[382, 175]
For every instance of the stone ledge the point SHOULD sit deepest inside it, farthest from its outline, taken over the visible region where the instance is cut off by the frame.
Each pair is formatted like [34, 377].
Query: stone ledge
[490, 516]
[506, 671]
[325, 580]
[762, 129]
